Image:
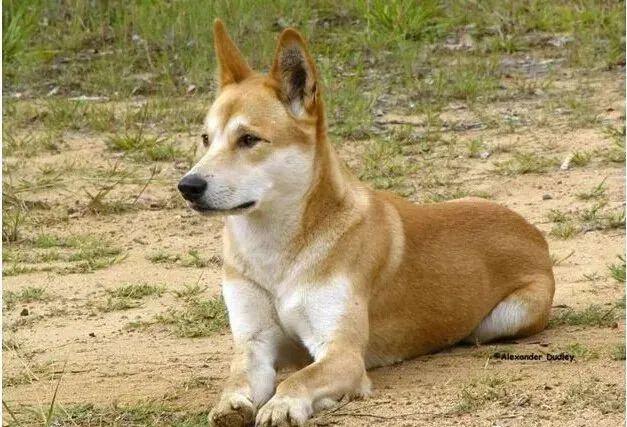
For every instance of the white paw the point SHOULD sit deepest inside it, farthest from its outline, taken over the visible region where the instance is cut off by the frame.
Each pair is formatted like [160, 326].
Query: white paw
[284, 411]
[233, 410]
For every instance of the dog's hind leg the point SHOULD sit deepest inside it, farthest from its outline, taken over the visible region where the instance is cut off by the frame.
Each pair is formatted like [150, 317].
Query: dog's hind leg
[522, 313]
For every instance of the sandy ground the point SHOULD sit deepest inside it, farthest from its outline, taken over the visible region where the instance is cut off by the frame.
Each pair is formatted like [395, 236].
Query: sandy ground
[104, 362]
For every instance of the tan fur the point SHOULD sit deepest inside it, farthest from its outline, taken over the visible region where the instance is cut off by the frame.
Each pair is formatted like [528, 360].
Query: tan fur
[417, 278]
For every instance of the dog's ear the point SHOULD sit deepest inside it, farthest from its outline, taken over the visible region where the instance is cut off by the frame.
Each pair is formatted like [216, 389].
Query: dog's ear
[232, 67]
[296, 73]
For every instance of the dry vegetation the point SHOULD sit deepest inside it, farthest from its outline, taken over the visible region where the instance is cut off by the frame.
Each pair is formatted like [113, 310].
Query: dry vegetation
[111, 306]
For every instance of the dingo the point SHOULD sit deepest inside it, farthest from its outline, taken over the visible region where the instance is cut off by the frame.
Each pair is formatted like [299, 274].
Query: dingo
[319, 268]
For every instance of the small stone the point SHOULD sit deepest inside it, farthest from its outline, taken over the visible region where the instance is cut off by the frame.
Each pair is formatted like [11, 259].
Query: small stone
[484, 155]
[546, 197]
[24, 312]
[566, 163]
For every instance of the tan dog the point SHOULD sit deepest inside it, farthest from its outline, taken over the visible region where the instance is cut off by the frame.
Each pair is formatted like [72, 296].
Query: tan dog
[319, 267]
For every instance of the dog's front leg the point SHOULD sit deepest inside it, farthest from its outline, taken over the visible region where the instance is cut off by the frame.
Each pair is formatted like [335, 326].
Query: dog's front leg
[338, 348]
[340, 372]
[256, 338]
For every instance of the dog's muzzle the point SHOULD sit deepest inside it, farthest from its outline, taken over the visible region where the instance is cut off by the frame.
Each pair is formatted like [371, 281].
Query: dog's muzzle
[192, 187]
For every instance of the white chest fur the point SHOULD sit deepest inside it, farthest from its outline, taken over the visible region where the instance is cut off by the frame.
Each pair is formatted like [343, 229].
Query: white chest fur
[313, 312]
[308, 310]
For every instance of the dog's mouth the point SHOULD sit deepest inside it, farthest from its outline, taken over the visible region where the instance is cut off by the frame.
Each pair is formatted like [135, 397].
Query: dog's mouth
[208, 210]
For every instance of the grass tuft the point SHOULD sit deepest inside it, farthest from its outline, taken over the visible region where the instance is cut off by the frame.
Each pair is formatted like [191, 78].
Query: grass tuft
[485, 390]
[524, 163]
[129, 296]
[595, 193]
[618, 352]
[617, 271]
[23, 296]
[198, 319]
[386, 167]
[192, 258]
[555, 215]
[580, 351]
[564, 230]
[136, 291]
[592, 315]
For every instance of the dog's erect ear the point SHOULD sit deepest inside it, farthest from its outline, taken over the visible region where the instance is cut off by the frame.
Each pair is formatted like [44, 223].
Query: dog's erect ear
[232, 67]
[296, 73]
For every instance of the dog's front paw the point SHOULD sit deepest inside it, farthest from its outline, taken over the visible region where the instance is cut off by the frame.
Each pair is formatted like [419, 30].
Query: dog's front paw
[233, 410]
[283, 411]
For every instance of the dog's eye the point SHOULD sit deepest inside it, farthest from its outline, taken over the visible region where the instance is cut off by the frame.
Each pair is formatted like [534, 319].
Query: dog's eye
[248, 141]
[205, 139]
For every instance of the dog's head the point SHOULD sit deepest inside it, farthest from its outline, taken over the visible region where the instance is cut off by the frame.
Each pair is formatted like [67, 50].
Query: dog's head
[260, 133]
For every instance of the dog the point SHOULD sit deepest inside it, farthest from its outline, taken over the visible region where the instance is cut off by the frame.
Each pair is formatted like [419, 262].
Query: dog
[322, 271]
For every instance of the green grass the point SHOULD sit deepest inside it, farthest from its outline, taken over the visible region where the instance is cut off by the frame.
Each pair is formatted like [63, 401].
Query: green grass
[615, 219]
[617, 271]
[189, 291]
[199, 318]
[31, 372]
[150, 48]
[28, 294]
[434, 196]
[48, 241]
[564, 230]
[558, 216]
[615, 153]
[13, 220]
[591, 393]
[597, 192]
[118, 304]
[386, 167]
[580, 351]
[136, 290]
[476, 147]
[146, 148]
[46, 252]
[192, 258]
[486, 390]
[137, 414]
[31, 144]
[567, 225]
[128, 296]
[524, 163]
[618, 352]
[593, 315]
[581, 158]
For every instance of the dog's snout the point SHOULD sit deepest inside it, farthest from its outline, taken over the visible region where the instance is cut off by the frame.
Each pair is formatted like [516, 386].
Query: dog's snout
[192, 187]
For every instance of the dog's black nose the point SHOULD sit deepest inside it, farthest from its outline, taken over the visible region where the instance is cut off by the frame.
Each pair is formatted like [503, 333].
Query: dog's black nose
[192, 187]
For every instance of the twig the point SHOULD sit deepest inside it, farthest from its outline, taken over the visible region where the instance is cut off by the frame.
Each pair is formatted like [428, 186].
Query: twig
[559, 261]
[154, 171]
[54, 397]
[611, 310]
[4, 404]
[381, 417]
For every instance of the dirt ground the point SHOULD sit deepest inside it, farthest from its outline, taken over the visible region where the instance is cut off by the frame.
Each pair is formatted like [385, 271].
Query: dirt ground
[103, 358]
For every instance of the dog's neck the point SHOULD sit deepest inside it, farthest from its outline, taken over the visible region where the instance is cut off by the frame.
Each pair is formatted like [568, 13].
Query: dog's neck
[295, 219]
